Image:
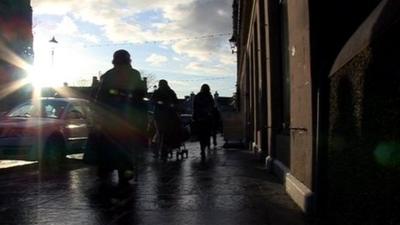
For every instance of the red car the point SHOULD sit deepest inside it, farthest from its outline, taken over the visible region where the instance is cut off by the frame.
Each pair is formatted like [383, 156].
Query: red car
[47, 129]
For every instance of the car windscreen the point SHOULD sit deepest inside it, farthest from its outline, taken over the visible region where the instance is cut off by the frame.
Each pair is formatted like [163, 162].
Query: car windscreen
[44, 109]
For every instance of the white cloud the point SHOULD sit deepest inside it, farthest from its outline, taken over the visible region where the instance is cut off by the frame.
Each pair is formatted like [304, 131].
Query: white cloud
[205, 69]
[91, 38]
[56, 7]
[184, 20]
[194, 49]
[67, 27]
[228, 58]
[183, 88]
[156, 59]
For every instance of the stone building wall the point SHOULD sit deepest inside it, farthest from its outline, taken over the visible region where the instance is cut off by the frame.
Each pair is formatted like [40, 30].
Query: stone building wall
[364, 135]
[16, 50]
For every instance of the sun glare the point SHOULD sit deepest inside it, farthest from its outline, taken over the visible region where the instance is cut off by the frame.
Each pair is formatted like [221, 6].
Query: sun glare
[40, 77]
[56, 65]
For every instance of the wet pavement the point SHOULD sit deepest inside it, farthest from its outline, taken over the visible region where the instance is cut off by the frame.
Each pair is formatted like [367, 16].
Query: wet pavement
[228, 187]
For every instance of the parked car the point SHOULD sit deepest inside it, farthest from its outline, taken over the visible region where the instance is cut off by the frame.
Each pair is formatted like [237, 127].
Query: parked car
[46, 129]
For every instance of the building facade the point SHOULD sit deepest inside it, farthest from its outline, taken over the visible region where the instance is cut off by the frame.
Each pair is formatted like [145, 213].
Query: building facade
[318, 90]
[16, 48]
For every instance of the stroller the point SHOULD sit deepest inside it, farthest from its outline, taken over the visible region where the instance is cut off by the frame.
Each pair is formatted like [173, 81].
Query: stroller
[170, 134]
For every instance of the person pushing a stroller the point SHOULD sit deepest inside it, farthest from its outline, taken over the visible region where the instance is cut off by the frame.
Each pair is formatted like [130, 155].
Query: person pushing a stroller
[166, 119]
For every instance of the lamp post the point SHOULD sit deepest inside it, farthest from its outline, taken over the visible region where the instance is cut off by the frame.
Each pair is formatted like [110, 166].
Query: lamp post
[232, 42]
[53, 43]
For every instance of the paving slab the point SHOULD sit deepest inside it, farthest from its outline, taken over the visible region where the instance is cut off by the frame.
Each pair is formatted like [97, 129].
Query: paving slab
[229, 186]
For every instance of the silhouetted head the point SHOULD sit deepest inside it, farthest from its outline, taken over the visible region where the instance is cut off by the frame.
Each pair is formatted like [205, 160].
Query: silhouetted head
[121, 57]
[205, 88]
[163, 84]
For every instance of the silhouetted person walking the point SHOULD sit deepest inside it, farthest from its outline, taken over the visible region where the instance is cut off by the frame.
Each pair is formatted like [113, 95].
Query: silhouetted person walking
[203, 104]
[216, 125]
[121, 116]
[166, 117]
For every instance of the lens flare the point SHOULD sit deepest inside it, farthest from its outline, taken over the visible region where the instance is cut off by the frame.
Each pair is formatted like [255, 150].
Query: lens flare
[387, 154]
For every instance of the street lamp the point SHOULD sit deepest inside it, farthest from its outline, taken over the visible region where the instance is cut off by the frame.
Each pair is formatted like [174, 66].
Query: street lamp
[53, 43]
[232, 42]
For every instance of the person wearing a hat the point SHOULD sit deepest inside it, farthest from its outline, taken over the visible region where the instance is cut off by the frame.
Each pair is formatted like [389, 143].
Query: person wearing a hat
[121, 117]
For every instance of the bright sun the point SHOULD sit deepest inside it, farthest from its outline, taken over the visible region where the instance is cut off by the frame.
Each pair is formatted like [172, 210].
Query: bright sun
[44, 72]
[67, 64]
[40, 77]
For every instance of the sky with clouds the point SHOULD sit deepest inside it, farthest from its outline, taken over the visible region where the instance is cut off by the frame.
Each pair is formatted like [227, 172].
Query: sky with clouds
[182, 41]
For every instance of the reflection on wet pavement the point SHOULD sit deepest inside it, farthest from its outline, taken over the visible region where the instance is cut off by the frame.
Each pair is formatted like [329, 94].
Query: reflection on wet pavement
[228, 187]
[14, 163]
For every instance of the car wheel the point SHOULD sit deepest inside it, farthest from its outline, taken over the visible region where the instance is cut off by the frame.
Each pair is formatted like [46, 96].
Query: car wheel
[54, 150]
